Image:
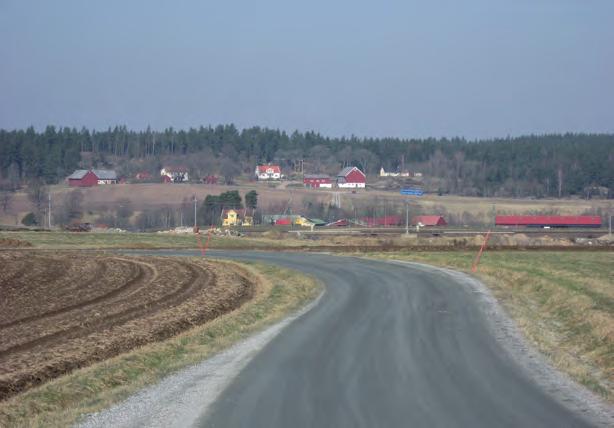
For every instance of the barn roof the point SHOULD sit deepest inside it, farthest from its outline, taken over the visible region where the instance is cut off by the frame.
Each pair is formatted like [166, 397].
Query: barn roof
[317, 221]
[78, 174]
[263, 168]
[316, 177]
[345, 171]
[105, 174]
[547, 220]
[178, 169]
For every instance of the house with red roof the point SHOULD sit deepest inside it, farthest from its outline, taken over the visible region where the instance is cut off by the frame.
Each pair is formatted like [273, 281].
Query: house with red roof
[428, 221]
[268, 172]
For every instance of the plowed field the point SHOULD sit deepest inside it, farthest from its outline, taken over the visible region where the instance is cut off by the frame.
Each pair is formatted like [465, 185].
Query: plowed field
[62, 311]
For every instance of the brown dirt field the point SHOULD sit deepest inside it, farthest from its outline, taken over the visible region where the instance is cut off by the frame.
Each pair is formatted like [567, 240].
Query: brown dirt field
[12, 243]
[62, 311]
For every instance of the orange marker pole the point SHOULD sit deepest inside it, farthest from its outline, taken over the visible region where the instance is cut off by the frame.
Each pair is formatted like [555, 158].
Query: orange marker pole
[204, 250]
[200, 244]
[474, 267]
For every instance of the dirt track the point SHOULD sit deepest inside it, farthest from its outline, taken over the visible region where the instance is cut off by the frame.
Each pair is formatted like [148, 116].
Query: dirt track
[62, 311]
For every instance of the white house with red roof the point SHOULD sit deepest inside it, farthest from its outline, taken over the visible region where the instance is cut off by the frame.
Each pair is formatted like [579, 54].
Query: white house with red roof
[351, 178]
[268, 172]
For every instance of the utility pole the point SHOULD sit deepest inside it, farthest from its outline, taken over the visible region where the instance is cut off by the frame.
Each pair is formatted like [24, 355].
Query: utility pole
[407, 217]
[194, 212]
[49, 211]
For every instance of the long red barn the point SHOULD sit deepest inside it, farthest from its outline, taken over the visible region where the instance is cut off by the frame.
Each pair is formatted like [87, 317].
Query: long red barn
[548, 220]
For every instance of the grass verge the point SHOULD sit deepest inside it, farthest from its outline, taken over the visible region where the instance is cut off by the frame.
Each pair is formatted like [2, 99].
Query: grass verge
[62, 401]
[562, 302]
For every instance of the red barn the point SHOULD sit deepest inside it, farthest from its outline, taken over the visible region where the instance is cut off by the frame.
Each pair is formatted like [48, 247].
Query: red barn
[351, 177]
[429, 220]
[316, 181]
[548, 221]
[82, 178]
[389, 220]
[143, 175]
[210, 179]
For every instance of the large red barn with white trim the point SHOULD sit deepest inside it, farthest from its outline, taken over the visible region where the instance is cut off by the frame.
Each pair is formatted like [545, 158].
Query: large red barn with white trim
[548, 221]
[316, 181]
[351, 177]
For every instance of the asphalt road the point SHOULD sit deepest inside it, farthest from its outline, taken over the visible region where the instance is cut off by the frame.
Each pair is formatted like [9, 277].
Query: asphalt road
[387, 346]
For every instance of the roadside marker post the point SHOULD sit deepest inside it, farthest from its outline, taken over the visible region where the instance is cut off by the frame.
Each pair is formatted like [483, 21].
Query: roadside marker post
[474, 267]
[203, 248]
[409, 192]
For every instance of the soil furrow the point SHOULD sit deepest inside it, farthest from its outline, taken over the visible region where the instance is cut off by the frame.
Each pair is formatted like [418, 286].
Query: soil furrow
[158, 299]
[140, 277]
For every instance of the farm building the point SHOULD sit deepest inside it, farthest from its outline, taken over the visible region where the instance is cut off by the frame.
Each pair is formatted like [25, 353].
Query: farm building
[351, 178]
[174, 174]
[428, 220]
[143, 175]
[210, 179]
[105, 176]
[268, 172]
[282, 219]
[388, 220]
[92, 177]
[82, 178]
[384, 173]
[316, 181]
[344, 222]
[236, 217]
[548, 221]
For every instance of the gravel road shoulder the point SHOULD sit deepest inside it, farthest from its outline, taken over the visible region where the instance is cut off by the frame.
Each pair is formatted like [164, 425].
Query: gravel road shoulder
[569, 393]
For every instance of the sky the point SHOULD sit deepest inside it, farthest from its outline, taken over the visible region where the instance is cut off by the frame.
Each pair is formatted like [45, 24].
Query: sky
[406, 68]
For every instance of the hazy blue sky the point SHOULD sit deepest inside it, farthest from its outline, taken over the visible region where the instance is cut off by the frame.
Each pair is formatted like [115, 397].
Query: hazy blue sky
[407, 68]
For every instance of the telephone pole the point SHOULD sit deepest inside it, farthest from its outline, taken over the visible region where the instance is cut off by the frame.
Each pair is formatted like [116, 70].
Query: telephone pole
[407, 217]
[49, 210]
[194, 212]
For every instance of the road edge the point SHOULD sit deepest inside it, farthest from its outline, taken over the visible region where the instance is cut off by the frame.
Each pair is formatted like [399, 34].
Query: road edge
[535, 365]
[191, 392]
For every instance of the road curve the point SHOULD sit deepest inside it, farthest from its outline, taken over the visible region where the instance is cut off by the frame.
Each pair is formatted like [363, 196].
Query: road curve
[388, 345]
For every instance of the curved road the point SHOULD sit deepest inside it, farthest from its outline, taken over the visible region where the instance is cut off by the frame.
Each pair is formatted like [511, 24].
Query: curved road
[388, 345]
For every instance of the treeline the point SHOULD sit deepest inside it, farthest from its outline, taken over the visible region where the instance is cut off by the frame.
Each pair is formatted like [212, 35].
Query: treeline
[538, 165]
